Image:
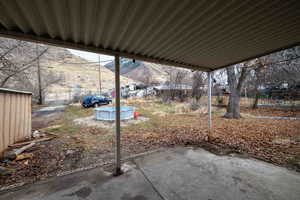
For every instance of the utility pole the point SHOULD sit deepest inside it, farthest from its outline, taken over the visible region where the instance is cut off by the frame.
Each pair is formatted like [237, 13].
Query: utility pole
[40, 102]
[100, 86]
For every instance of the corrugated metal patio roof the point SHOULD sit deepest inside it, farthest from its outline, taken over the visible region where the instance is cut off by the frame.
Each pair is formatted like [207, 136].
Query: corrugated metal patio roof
[203, 34]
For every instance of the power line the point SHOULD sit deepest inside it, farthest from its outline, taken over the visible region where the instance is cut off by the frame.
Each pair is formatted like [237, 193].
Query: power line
[83, 63]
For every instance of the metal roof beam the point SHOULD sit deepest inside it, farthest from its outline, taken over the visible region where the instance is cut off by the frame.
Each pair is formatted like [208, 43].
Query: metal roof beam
[78, 46]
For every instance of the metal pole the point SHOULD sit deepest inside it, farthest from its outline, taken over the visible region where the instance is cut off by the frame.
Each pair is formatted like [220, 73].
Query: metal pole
[117, 120]
[100, 86]
[39, 76]
[246, 99]
[209, 101]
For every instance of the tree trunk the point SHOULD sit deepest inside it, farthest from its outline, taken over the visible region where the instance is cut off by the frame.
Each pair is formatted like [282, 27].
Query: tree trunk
[254, 106]
[257, 83]
[235, 85]
[233, 107]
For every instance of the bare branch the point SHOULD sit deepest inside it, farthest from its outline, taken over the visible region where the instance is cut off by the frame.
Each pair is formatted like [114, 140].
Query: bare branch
[10, 50]
[21, 68]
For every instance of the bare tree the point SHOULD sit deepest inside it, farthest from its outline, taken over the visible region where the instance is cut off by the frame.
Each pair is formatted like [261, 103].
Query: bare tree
[19, 67]
[175, 83]
[258, 80]
[283, 66]
[277, 68]
[148, 78]
[11, 67]
[273, 70]
[198, 82]
[236, 75]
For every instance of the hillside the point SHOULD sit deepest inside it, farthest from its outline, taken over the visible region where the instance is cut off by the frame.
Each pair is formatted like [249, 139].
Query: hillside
[142, 71]
[127, 65]
[63, 75]
[79, 72]
[79, 76]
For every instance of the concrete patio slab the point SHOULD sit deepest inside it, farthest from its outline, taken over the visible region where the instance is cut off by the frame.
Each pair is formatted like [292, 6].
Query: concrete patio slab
[173, 174]
[183, 173]
[91, 184]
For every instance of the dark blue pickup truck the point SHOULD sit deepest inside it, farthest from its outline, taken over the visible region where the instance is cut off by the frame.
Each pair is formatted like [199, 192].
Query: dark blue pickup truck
[95, 101]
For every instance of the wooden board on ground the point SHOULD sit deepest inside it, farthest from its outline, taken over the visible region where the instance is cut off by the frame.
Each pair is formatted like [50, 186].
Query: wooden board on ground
[35, 141]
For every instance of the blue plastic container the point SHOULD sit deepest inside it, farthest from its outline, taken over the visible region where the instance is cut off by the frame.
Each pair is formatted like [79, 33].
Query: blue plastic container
[109, 113]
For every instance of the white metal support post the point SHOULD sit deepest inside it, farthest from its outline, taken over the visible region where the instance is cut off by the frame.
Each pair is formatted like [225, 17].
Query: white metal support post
[100, 85]
[209, 101]
[117, 119]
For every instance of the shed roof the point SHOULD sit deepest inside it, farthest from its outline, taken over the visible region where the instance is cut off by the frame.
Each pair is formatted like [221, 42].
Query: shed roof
[202, 34]
[6, 90]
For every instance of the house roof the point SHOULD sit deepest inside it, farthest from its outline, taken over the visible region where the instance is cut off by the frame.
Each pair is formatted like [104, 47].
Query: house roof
[202, 35]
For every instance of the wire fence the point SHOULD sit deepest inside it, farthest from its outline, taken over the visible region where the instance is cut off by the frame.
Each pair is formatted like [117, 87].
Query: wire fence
[249, 101]
[67, 96]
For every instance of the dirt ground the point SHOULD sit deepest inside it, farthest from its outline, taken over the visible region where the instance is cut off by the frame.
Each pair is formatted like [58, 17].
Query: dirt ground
[273, 111]
[77, 146]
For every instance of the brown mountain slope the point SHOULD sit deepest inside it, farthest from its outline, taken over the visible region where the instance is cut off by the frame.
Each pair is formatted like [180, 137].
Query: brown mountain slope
[72, 74]
[79, 76]
[142, 71]
[154, 73]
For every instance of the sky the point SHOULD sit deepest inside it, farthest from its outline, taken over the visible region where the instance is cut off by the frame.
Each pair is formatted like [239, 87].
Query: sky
[93, 57]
